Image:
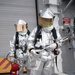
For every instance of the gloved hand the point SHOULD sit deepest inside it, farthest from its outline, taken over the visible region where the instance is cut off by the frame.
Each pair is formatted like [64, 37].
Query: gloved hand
[35, 53]
[11, 54]
[12, 59]
[51, 47]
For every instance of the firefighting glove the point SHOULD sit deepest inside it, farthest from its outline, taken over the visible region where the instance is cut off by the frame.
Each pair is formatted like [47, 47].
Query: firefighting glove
[35, 53]
[12, 59]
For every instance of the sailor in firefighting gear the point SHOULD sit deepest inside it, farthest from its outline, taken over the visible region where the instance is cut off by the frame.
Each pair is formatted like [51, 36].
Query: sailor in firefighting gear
[41, 45]
[19, 45]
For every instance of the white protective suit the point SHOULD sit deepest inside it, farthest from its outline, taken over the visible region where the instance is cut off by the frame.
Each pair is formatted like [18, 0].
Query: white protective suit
[21, 56]
[42, 58]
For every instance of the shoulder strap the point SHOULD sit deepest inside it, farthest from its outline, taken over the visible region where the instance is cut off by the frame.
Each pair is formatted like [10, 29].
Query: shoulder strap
[38, 30]
[28, 32]
[37, 34]
[54, 34]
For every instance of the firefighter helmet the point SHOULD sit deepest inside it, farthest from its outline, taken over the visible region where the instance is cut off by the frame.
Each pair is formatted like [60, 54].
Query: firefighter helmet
[21, 26]
[46, 18]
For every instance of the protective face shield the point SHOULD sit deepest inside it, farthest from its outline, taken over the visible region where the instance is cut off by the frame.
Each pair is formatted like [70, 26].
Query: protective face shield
[46, 18]
[44, 22]
[21, 26]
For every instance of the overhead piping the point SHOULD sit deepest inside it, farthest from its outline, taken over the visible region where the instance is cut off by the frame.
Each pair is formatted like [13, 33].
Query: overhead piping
[69, 3]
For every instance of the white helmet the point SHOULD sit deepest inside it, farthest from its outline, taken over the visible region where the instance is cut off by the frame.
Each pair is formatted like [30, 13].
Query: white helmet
[47, 14]
[46, 18]
[21, 22]
[20, 26]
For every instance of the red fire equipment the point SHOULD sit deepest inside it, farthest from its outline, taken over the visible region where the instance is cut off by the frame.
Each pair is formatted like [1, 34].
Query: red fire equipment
[14, 69]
